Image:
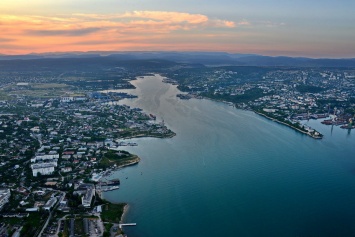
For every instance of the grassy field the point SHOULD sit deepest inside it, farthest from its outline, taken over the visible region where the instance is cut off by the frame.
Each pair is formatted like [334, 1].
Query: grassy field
[79, 227]
[65, 229]
[111, 158]
[106, 162]
[33, 222]
[44, 90]
[49, 86]
[5, 96]
[112, 212]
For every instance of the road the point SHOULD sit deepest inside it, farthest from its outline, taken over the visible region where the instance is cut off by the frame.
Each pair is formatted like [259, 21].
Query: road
[50, 214]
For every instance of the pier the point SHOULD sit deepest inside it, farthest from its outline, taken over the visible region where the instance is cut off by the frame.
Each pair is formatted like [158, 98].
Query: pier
[128, 224]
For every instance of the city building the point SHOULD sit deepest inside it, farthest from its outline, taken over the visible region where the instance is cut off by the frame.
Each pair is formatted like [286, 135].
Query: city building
[50, 203]
[87, 197]
[4, 197]
[43, 168]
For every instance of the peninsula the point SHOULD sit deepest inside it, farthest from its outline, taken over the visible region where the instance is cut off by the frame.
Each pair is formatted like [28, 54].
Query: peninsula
[60, 140]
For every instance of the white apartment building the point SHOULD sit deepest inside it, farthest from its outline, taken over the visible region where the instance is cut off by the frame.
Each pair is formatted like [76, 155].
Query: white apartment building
[4, 197]
[41, 157]
[87, 198]
[43, 168]
[50, 203]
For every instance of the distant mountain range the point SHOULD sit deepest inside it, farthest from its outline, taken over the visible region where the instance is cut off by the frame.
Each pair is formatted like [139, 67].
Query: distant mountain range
[206, 58]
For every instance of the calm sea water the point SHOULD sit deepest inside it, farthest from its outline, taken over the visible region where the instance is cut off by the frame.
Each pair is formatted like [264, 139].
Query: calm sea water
[230, 172]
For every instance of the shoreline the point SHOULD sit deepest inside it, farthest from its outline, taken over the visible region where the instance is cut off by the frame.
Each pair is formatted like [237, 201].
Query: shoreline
[135, 161]
[152, 136]
[320, 136]
[125, 210]
[124, 213]
[272, 119]
[288, 125]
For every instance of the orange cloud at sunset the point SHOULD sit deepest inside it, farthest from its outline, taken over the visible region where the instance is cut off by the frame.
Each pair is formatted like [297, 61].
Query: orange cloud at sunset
[290, 28]
[84, 32]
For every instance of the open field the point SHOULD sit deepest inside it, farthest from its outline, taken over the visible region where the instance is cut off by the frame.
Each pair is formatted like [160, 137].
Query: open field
[48, 86]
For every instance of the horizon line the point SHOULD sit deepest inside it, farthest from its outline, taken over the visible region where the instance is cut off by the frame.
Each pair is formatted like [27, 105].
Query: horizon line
[103, 53]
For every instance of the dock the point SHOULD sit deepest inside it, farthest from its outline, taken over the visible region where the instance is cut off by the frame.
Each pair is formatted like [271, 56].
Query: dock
[128, 224]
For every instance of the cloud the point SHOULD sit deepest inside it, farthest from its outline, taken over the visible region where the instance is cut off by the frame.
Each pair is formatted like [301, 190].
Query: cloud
[244, 23]
[271, 24]
[71, 32]
[171, 17]
[107, 30]
[82, 24]
[5, 40]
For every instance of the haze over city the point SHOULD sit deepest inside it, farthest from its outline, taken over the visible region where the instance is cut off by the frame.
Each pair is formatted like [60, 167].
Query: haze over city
[291, 28]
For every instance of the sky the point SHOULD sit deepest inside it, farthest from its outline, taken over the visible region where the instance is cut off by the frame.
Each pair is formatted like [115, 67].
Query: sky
[299, 28]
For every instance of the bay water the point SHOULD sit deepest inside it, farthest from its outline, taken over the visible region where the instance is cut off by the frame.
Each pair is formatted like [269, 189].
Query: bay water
[230, 172]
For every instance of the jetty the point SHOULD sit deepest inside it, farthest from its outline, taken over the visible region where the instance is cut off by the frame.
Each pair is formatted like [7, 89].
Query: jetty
[127, 224]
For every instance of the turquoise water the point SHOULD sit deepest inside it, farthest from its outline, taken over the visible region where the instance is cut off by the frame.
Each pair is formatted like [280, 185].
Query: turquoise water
[230, 172]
